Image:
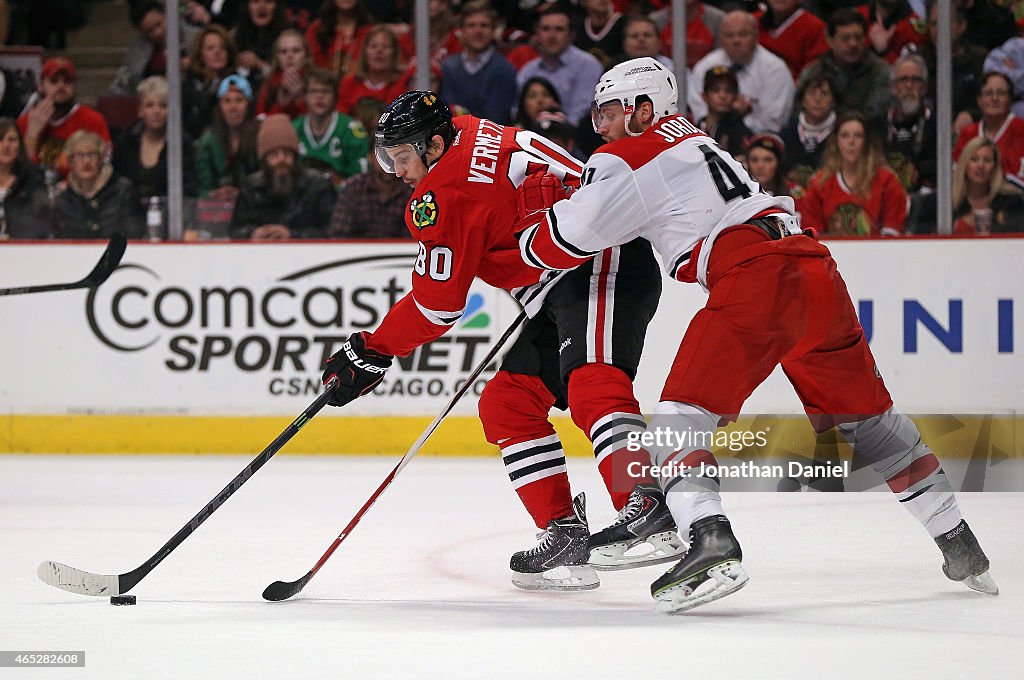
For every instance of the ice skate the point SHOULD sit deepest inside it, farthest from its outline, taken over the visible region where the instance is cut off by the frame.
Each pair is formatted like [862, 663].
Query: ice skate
[644, 533]
[559, 561]
[964, 560]
[710, 570]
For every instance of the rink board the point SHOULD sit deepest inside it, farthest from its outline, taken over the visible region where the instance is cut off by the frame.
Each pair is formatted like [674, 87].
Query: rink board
[215, 347]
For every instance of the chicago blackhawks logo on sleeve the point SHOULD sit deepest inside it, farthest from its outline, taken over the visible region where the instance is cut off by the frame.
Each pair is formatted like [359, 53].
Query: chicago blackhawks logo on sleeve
[424, 211]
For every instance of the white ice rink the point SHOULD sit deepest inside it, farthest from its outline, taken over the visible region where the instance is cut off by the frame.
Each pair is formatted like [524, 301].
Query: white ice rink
[842, 585]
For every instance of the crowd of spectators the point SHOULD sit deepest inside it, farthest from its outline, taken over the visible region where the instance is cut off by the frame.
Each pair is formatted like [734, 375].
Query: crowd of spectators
[832, 102]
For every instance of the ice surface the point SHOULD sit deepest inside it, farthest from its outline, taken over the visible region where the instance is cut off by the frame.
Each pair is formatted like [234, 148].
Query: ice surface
[842, 586]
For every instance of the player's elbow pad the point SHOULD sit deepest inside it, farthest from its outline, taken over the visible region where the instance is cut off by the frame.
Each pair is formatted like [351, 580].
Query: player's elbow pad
[541, 248]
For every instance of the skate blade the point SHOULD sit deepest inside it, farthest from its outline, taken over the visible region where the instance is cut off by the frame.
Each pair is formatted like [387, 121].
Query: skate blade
[723, 579]
[576, 577]
[655, 549]
[983, 583]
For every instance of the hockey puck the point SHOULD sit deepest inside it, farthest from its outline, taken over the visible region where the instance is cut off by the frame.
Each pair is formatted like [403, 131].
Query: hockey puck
[122, 599]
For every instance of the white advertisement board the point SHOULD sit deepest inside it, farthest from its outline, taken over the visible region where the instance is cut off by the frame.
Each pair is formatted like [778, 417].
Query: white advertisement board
[244, 329]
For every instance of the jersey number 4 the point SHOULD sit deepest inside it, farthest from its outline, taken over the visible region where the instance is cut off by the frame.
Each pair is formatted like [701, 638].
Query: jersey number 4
[729, 185]
[435, 262]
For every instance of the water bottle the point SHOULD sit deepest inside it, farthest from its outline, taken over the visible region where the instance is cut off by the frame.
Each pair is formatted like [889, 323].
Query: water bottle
[154, 219]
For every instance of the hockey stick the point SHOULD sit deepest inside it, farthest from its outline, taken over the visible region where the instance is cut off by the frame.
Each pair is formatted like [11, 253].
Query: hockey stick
[282, 590]
[101, 272]
[85, 583]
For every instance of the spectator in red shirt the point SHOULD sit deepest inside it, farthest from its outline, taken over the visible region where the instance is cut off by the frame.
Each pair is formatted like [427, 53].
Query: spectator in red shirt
[54, 115]
[998, 124]
[855, 193]
[379, 73]
[284, 90]
[702, 28]
[892, 25]
[337, 34]
[791, 32]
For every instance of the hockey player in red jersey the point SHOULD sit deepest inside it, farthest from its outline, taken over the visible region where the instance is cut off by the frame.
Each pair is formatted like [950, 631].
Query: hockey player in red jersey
[775, 297]
[581, 348]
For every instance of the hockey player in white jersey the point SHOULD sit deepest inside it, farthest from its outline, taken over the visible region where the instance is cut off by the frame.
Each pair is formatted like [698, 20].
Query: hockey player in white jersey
[775, 297]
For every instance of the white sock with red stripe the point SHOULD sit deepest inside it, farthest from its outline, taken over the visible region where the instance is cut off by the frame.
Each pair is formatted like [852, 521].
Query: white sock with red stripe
[892, 443]
[689, 496]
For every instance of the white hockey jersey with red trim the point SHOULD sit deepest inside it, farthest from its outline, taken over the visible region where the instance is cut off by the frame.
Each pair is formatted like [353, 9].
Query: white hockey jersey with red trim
[672, 185]
[463, 215]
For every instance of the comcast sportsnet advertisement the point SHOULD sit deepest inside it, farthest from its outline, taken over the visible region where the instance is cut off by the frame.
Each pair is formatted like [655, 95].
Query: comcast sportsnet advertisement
[244, 329]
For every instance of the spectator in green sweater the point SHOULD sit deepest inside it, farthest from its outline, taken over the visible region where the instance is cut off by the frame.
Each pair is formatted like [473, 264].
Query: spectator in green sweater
[226, 152]
[330, 141]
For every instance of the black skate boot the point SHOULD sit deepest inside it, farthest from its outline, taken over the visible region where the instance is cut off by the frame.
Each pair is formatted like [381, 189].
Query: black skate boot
[710, 570]
[964, 560]
[559, 561]
[643, 521]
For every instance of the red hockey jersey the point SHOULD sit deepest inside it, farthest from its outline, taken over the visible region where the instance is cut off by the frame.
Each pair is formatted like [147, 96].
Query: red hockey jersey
[832, 208]
[908, 29]
[51, 141]
[462, 214]
[798, 40]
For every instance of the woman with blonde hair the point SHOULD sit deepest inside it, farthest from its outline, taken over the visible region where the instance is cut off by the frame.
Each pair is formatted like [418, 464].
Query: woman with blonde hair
[379, 73]
[284, 90]
[141, 151]
[97, 202]
[855, 193]
[983, 201]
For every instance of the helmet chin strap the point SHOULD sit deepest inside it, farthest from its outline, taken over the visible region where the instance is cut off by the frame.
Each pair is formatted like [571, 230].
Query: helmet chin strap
[628, 113]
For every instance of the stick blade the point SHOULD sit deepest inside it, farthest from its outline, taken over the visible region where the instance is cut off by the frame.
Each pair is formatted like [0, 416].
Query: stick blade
[77, 581]
[108, 261]
[282, 590]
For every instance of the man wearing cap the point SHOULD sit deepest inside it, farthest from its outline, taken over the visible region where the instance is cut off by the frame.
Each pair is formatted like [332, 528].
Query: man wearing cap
[55, 115]
[722, 121]
[282, 200]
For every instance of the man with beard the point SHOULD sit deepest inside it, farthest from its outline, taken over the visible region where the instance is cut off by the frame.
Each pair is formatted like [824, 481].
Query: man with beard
[282, 200]
[909, 125]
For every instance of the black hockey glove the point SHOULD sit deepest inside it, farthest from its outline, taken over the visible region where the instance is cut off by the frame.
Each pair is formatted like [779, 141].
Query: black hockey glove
[359, 370]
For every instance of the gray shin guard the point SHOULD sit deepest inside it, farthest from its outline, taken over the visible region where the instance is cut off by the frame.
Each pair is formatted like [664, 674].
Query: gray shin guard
[891, 444]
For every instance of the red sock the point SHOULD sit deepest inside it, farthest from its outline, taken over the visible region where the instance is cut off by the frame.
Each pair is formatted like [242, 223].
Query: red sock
[514, 412]
[602, 403]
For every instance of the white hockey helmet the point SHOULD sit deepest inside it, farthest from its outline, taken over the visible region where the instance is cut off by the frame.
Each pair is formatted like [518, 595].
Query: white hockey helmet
[630, 79]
